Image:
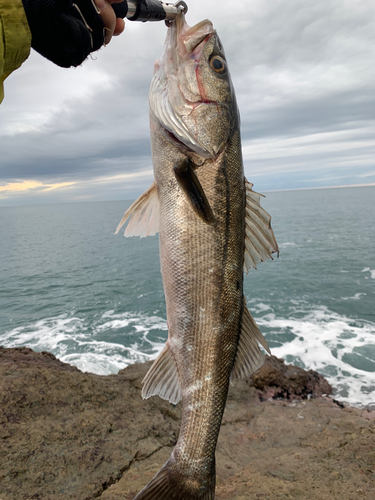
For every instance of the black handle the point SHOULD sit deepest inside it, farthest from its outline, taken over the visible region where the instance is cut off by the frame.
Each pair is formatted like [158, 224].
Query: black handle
[147, 10]
[121, 9]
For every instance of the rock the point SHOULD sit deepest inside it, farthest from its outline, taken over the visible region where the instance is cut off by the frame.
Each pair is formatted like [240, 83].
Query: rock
[65, 435]
[275, 379]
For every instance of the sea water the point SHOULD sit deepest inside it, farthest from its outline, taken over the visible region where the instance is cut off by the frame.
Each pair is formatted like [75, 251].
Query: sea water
[68, 285]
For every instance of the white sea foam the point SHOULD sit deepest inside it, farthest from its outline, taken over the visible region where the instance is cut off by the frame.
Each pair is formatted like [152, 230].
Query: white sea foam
[324, 342]
[103, 363]
[287, 244]
[371, 271]
[356, 296]
[52, 334]
[92, 348]
[259, 306]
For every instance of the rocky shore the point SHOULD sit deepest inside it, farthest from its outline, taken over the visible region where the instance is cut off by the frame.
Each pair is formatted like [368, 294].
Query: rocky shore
[65, 435]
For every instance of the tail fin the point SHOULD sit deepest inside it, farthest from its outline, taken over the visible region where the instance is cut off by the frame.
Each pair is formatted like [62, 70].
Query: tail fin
[169, 484]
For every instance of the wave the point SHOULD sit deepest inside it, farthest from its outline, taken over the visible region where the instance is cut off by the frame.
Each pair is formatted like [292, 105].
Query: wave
[371, 271]
[105, 346]
[337, 346]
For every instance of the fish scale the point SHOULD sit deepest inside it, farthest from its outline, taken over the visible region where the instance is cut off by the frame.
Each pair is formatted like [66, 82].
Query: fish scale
[200, 266]
[208, 218]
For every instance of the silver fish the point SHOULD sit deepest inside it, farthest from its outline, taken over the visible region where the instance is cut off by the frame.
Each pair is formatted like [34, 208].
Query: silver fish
[212, 228]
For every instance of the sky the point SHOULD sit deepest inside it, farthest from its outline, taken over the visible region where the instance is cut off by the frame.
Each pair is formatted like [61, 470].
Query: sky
[304, 75]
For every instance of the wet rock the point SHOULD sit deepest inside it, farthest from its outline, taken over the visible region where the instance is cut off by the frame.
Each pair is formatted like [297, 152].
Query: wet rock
[275, 380]
[65, 435]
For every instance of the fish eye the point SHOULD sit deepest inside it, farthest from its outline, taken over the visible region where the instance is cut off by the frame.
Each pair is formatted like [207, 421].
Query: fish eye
[217, 63]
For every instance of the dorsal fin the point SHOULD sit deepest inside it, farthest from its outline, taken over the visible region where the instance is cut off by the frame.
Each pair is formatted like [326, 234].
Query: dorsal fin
[260, 242]
[144, 214]
[162, 378]
[249, 357]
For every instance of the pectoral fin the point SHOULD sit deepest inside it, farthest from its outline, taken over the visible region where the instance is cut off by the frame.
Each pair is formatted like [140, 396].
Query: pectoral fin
[162, 378]
[249, 357]
[189, 183]
[144, 213]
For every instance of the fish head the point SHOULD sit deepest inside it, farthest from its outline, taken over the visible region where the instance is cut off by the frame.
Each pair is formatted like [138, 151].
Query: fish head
[191, 94]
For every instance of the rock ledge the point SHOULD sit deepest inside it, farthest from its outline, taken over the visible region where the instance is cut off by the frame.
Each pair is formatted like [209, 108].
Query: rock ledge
[65, 435]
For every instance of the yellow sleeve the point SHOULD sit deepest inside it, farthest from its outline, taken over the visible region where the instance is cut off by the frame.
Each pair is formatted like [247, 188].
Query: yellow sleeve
[15, 38]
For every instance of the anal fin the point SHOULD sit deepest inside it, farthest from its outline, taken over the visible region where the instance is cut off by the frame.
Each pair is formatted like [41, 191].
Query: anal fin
[189, 183]
[162, 378]
[144, 213]
[249, 356]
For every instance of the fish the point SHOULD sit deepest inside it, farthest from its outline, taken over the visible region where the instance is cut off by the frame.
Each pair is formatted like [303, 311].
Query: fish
[211, 228]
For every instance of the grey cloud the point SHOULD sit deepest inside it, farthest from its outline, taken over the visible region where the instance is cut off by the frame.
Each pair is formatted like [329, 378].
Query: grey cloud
[299, 69]
[63, 165]
[338, 111]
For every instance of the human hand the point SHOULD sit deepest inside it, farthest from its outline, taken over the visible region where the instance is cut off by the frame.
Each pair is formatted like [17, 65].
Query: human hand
[113, 25]
[67, 31]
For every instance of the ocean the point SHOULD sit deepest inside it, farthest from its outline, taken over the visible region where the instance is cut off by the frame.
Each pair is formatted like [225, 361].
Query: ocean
[95, 300]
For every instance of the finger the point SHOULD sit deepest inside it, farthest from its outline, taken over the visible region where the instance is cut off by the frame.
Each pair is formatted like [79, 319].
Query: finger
[120, 26]
[109, 18]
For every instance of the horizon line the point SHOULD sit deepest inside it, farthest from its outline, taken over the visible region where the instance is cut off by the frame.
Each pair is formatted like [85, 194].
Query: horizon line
[371, 184]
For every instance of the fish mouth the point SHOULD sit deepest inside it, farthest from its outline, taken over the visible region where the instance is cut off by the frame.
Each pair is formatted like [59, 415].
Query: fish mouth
[190, 38]
[196, 42]
[205, 25]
